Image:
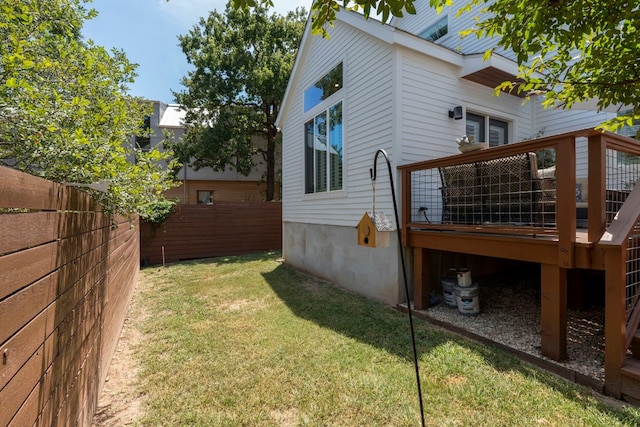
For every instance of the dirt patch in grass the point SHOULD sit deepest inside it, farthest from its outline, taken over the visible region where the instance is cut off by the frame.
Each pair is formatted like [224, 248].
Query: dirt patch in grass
[119, 403]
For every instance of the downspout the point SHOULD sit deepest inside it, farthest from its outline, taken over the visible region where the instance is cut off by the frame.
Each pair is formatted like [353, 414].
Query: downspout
[184, 186]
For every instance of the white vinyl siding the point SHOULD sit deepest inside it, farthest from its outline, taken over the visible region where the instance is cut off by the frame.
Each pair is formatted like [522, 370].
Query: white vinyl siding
[429, 89]
[367, 125]
[552, 121]
[426, 16]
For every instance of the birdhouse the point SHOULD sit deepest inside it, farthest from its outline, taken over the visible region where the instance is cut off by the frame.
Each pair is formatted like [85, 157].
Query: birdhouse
[374, 230]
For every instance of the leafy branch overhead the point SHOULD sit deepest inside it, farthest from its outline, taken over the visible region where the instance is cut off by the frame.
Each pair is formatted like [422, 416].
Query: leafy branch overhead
[64, 111]
[242, 62]
[567, 51]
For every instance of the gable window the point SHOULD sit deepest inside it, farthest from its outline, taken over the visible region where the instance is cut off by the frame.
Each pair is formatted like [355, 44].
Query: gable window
[323, 151]
[437, 30]
[329, 84]
[487, 129]
[323, 160]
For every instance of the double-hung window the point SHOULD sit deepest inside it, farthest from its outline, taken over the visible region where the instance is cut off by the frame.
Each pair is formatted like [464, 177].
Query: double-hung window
[323, 146]
[487, 129]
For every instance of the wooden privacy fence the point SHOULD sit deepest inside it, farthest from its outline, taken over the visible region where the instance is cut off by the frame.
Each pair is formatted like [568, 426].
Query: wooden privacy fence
[67, 274]
[203, 231]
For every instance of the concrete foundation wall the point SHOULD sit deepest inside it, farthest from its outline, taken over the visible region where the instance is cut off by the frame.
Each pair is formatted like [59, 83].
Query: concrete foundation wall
[332, 253]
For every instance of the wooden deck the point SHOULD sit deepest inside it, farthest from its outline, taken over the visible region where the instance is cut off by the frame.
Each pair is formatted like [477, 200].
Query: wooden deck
[549, 236]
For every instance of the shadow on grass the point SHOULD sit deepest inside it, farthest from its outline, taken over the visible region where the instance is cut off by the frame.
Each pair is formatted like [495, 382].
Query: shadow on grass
[381, 326]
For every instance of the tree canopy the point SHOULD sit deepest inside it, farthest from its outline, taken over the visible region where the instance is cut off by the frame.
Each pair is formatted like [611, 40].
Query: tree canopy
[242, 65]
[568, 51]
[64, 110]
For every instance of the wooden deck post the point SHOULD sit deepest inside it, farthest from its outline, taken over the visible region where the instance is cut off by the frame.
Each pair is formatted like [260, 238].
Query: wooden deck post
[421, 280]
[553, 316]
[615, 243]
[614, 320]
[566, 201]
[597, 157]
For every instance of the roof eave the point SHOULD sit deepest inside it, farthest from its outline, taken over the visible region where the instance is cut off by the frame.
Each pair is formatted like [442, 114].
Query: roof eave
[491, 71]
[378, 30]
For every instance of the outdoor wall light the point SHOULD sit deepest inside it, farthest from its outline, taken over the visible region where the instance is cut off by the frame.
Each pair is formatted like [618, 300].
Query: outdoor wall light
[456, 113]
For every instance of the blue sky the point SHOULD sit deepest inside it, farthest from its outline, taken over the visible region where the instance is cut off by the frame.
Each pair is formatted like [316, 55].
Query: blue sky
[148, 30]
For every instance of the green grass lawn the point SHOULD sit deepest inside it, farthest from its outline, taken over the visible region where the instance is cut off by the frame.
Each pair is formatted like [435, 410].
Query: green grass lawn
[248, 341]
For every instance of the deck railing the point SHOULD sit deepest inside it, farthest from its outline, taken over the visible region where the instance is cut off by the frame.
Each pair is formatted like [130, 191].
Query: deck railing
[622, 312]
[621, 244]
[548, 186]
[554, 187]
[501, 186]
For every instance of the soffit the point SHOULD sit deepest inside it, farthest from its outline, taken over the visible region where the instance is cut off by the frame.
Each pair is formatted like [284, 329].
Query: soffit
[491, 72]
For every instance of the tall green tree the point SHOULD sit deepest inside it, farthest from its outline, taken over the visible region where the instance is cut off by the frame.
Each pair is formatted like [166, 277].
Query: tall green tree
[64, 110]
[242, 65]
[570, 51]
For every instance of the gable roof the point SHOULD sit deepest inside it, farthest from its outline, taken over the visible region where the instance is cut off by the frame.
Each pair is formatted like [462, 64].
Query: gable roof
[472, 67]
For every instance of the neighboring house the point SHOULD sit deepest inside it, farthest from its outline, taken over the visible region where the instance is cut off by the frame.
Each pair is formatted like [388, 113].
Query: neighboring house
[410, 88]
[203, 186]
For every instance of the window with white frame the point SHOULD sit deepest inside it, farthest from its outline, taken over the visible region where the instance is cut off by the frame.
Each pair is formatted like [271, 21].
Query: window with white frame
[487, 129]
[329, 84]
[323, 152]
[436, 30]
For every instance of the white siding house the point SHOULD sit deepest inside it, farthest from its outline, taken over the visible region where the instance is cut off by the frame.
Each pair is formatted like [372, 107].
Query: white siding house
[395, 93]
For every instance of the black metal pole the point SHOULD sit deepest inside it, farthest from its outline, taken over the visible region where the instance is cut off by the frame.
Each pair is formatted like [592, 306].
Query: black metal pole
[373, 173]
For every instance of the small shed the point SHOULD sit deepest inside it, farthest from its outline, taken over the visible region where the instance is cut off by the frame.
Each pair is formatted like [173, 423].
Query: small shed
[374, 230]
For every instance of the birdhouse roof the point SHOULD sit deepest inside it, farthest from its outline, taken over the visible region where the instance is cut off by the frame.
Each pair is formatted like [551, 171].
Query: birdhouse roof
[381, 221]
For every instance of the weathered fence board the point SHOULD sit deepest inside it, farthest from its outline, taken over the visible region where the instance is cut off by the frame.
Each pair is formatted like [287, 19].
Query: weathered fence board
[18, 309]
[220, 229]
[21, 268]
[67, 273]
[21, 231]
[24, 191]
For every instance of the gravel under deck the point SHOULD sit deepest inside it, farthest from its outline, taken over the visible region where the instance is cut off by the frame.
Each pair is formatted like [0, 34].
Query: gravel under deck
[510, 315]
